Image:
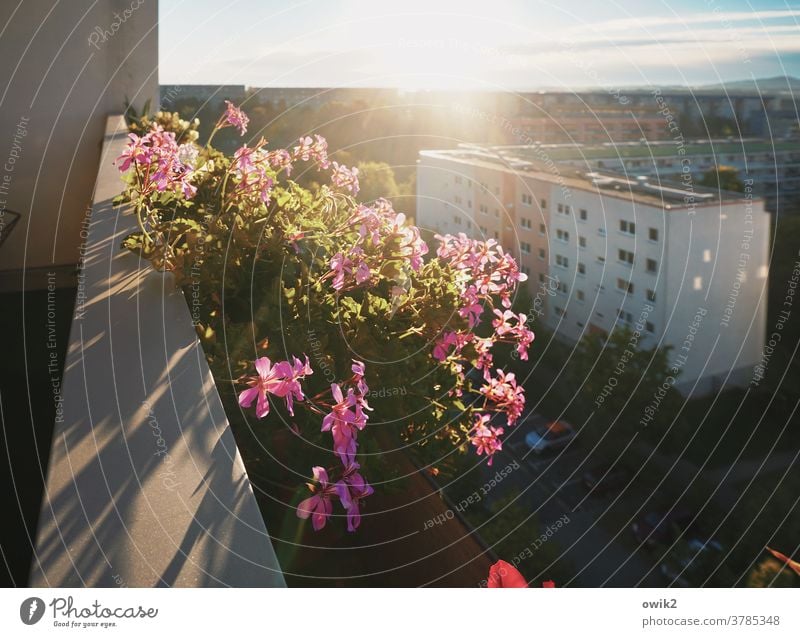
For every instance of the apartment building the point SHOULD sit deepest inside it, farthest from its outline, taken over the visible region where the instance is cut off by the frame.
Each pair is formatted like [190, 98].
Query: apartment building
[685, 268]
[586, 127]
[774, 166]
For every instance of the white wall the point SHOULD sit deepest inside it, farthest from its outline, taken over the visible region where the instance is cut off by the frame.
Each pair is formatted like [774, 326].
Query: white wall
[61, 87]
[710, 250]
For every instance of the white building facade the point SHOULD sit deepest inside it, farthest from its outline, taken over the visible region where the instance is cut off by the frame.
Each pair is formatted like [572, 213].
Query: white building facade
[683, 269]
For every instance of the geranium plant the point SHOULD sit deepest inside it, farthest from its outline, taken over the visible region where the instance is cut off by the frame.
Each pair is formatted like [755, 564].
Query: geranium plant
[284, 260]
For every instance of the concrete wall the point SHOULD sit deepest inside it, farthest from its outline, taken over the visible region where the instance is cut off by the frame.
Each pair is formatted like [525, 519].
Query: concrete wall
[66, 67]
[717, 293]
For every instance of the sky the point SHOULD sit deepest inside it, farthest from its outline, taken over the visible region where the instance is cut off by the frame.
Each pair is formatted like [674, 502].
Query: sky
[507, 45]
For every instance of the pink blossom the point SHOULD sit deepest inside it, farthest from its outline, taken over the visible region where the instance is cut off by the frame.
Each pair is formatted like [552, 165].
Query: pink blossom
[281, 379]
[341, 266]
[345, 178]
[249, 165]
[345, 419]
[352, 488]
[457, 340]
[506, 395]
[234, 116]
[312, 149]
[486, 438]
[156, 158]
[359, 371]
[514, 326]
[319, 506]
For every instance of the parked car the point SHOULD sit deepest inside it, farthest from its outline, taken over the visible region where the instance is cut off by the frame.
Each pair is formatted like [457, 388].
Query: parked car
[605, 479]
[679, 565]
[550, 435]
[660, 528]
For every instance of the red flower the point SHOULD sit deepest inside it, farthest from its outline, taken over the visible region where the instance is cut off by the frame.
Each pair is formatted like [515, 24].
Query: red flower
[503, 575]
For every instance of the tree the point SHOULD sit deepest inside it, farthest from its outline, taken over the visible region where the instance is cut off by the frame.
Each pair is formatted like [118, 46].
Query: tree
[723, 178]
[621, 383]
[376, 180]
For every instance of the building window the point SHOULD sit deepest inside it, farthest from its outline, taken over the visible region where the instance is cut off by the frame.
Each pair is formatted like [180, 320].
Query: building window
[542, 254]
[651, 296]
[560, 208]
[544, 203]
[627, 227]
[484, 230]
[562, 287]
[649, 327]
[496, 235]
[698, 283]
[601, 232]
[541, 277]
[625, 286]
[525, 247]
[653, 234]
[560, 312]
[625, 256]
[497, 190]
[484, 209]
[525, 223]
[582, 268]
[526, 270]
[652, 266]
[624, 317]
[580, 295]
[458, 200]
[496, 213]
[562, 235]
[542, 229]
[527, 199]
[469, 225]
[583, 214]
[469, 203]
[457, 179]
[562, 261]
[582, 242]
[601, 259]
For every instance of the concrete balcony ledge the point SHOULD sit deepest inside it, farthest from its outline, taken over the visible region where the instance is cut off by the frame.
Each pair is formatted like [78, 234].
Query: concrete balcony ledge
[145, 484]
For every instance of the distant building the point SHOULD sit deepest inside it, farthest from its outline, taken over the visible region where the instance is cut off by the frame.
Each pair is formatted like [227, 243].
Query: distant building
[774, 166]
[588, 127]
[678, 263]
[210, 96]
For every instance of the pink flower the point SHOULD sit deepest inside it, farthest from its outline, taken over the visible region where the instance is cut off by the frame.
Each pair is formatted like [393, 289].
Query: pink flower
[486, 438]
[503, 575]
[312, 149]
[518, 332]
[351, 489]
[319, 506]
[345, 178]
[340, 266]
[507, 396]
[281, 380]
[358, 378]
[345, 419]
[249, 166]
[450, 339]
[234, 116]
[156, 159]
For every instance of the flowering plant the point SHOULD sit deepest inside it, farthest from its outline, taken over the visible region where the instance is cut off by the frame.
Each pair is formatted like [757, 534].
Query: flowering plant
[279, 269]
